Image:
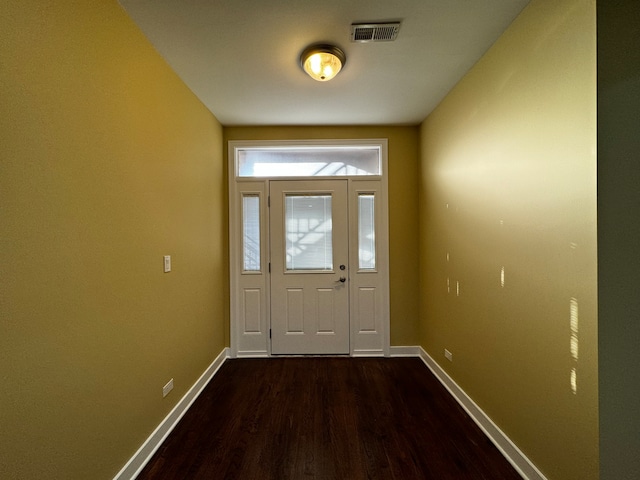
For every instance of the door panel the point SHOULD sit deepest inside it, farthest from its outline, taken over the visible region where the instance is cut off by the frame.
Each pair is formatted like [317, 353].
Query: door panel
[309, 244]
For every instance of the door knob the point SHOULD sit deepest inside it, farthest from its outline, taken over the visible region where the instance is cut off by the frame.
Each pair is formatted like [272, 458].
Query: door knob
[343, 279]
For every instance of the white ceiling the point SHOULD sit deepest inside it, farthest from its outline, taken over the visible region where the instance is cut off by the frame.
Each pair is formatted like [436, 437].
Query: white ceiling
[240, 57]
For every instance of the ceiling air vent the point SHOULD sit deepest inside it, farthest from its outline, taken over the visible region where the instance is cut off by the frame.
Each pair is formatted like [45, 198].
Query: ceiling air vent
[374, 32]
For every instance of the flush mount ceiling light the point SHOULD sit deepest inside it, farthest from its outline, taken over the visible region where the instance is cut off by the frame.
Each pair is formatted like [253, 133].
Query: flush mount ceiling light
[322, 62]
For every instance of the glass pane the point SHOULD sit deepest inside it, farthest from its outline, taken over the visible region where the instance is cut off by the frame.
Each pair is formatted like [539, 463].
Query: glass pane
[366, 232]
[309, 161]
[309, 232]
[251, 232]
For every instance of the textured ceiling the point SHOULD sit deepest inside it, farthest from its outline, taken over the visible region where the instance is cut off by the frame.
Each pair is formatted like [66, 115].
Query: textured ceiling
[240, 57]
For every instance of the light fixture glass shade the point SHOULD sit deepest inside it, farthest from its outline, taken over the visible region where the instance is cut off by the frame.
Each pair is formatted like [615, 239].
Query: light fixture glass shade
[322, 62]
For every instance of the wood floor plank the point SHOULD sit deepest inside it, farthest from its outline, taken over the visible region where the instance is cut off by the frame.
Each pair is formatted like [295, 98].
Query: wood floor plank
[326, 418]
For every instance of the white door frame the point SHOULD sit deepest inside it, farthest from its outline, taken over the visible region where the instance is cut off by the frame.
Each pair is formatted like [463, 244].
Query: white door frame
[250, 290]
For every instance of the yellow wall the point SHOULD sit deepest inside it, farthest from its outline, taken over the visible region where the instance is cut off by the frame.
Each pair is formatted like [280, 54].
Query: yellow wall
[508, 180]
[108, 162]
[403, 208]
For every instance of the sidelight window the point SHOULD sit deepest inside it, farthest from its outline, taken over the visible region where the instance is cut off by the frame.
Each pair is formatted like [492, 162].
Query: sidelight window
[366, 232]
[251, 233]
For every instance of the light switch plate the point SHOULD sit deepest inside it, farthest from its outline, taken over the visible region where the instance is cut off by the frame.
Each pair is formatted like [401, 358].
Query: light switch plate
[167, 263]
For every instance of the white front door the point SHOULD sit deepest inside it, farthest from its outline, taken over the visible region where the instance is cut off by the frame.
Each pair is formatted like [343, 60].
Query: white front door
[309, 267]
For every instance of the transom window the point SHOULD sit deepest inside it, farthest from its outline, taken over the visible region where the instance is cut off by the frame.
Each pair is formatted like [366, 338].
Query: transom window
[312, 161]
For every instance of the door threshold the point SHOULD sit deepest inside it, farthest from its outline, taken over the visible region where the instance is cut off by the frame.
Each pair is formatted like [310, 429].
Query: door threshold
[302, 355]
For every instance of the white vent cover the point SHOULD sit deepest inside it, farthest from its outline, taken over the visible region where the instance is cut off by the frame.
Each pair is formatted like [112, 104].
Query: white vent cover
[374, 32]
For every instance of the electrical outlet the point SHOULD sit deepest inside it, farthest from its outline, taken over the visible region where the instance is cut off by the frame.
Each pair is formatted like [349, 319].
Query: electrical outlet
[448, 355]
[167, 388]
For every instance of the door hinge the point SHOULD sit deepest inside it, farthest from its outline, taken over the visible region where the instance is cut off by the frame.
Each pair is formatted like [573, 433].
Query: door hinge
[269, 333]
[269, 267]
[269, 201]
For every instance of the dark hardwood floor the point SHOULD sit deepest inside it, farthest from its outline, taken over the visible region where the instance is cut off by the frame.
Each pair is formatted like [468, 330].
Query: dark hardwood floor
[326, 418]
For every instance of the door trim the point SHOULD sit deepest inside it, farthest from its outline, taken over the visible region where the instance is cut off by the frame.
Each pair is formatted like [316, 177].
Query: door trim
[250, 290]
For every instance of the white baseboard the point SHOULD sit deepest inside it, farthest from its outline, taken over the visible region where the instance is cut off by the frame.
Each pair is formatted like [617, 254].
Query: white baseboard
[511, 452]
[367, 353]
[135, 465]
[404, 351]
[251, 354]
